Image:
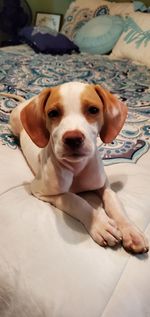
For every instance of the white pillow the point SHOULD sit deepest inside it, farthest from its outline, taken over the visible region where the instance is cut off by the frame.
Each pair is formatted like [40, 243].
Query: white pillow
[81, 11]
[134, 42]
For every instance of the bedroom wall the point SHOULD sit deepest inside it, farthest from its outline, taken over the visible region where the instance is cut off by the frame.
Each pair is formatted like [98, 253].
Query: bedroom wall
[51, 6]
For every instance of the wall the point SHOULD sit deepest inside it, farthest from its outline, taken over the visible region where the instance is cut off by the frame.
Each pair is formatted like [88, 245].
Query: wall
[50, 6]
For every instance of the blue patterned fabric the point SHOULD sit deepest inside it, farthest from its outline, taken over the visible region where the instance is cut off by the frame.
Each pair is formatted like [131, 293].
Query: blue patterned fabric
[27, 75]
[76, 17]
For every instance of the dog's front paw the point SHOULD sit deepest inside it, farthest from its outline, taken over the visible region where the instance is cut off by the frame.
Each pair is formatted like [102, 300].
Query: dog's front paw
[103, 230]
[134, 240]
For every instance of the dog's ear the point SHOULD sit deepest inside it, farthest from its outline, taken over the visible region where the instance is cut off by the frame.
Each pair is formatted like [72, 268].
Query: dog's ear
[34, 121]
[114, 112]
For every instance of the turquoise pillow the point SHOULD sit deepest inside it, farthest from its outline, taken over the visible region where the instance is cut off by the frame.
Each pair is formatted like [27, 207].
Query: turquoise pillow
[99, 35]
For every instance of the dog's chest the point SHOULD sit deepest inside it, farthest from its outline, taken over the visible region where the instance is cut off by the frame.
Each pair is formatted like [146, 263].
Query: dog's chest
[87, 183]
[91, 177]
[55, 178]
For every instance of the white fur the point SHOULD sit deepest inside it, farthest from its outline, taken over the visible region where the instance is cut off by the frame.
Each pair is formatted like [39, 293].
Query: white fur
[58, 178]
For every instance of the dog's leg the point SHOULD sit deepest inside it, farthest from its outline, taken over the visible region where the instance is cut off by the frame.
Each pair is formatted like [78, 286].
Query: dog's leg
[29, 149]
[133, 239]
[101, 228]
[31, 152]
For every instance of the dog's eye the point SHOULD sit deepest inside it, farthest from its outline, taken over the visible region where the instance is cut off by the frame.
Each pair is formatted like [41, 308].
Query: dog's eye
[93, 110]
[53, 113]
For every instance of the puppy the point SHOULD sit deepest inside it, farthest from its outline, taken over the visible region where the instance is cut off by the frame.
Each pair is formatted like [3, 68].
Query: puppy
[58, 131]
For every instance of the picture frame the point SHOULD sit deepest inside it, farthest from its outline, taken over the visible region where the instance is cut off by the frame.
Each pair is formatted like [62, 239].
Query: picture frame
[50, 20]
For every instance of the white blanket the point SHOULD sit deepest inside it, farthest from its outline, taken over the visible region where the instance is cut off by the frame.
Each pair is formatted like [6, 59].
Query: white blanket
[49, 265]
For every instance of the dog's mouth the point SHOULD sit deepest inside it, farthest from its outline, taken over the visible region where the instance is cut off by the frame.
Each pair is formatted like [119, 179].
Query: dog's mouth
[74, 156]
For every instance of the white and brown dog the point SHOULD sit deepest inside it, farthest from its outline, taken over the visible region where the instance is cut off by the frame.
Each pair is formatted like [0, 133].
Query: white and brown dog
[65, 121]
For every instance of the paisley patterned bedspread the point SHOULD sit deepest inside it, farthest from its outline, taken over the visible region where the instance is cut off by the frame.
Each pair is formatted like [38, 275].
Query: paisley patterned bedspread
[26, 74]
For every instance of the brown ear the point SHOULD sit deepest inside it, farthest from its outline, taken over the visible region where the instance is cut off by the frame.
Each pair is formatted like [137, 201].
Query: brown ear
[115, 113]
[33, 119]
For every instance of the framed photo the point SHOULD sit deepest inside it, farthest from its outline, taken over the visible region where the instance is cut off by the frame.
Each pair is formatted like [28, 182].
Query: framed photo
[48, 20]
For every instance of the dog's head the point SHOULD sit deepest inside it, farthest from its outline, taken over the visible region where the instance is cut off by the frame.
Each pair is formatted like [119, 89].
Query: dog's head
[71, 116]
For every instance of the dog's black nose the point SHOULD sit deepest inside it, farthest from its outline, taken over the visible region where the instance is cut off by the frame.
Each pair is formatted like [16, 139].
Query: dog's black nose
[73, 139]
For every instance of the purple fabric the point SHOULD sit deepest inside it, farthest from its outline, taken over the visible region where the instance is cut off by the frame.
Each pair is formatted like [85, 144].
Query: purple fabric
[44, 40]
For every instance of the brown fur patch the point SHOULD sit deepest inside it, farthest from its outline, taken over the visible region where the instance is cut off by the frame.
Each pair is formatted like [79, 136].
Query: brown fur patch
[33, 119]
[54, 103]
[115, 112]
[90, 98]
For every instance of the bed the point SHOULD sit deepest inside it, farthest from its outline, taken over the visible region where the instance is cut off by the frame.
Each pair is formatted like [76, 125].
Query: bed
[49, 266]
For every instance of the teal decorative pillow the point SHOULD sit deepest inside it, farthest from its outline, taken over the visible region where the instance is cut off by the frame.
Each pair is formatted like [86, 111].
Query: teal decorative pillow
[99, 35]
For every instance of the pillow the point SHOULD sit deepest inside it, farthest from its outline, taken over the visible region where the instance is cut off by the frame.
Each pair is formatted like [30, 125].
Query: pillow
[45, 40]
[99, 35]
[81, 11]
[140, 6]
[134, 42]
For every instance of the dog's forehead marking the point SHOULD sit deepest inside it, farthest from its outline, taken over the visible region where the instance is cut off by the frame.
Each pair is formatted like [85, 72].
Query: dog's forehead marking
[71, 95]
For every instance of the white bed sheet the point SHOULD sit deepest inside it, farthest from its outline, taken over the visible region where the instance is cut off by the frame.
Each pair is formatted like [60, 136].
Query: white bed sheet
[51, 265]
